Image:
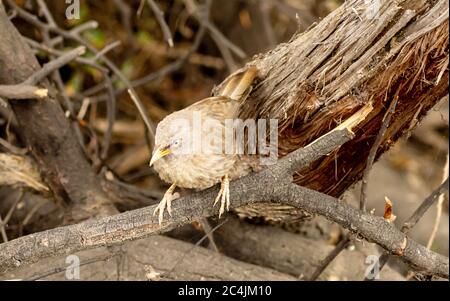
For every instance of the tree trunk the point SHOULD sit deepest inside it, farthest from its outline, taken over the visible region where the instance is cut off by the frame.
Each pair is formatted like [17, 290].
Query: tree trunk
[359, 53]
[47, 132]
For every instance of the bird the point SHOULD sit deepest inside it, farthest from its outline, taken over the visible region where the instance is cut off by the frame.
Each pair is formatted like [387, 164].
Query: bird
[188, 154]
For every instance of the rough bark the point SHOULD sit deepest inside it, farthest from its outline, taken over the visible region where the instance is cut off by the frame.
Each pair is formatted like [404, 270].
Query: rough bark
[324, 75]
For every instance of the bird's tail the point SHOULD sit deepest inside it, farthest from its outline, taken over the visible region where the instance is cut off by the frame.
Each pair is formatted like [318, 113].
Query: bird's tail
[239, 86]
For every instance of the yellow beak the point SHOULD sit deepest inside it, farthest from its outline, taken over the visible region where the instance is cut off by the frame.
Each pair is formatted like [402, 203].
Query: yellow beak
[158, 154]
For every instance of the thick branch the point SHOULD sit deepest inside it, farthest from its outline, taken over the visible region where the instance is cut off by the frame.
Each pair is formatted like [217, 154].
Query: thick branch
[269, 185]
[152, 259]
[324, 75]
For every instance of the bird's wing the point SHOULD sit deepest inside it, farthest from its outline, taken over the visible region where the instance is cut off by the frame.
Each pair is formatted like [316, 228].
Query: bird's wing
[239, 86]
[217, 107]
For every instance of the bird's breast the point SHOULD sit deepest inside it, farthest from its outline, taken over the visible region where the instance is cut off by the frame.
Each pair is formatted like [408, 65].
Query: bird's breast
[194, 171]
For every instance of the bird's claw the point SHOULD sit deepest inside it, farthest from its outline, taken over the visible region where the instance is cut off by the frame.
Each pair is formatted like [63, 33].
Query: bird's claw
[166, 202]
[224, 196]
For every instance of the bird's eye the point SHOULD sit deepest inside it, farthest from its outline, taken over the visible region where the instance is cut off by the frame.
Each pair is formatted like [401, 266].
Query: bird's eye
[176, 142]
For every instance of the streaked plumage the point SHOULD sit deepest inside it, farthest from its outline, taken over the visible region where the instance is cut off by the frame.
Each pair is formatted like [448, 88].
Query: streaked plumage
[197, 169]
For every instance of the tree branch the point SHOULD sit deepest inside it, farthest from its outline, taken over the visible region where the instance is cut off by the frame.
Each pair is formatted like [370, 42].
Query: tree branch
[269, 185]
[22, 91]
[26, 90]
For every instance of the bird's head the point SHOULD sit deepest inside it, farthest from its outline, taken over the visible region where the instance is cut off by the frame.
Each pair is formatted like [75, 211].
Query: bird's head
[172, 138]
[166, 148]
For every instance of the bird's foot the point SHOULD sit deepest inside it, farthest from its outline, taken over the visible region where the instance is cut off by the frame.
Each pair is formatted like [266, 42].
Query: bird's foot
[166, 202]
[224, 195]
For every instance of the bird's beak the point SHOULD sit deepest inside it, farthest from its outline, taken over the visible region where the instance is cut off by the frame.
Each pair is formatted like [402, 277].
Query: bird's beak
[158, 154]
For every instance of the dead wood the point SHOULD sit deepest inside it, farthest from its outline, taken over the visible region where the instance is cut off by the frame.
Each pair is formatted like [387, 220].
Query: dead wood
[258, 187]
[357, 54]
[154, 258]
[48, 133]
[293, 254]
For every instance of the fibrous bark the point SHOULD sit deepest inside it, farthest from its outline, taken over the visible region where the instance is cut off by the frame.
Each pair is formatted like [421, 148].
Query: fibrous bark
[359, 53]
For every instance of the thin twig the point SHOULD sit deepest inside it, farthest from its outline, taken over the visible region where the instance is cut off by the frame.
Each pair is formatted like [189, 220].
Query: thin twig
[225, 45]
[3, 103]
[74, 36]
[411, 222]
[373, 151]
[2, 230]
[11, 148]
[4, 222]
[207, 234]
[154, 76]
[330, 257]
[423, 208]
[62, 269]
[107, 49]
[125, 12]
[56, 52]
[55, 65]
[162, 22]
[13, 208]
[439, 206]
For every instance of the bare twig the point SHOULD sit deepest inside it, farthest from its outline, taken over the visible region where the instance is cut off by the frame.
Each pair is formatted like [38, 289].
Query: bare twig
[107, 49]
[330, 257]
[154, 76]
[22, 91]
[162, 22]
[27, 90]
[125, 12]
[13, 207]
[208, 233]
[4, 222]
[62, 269]
[11, 148]
[75, 36]
[426, 204]
[225, 45]
[439, 206]
[170, 68]
[50, 50]
[373, 151]
[2, 230]
[55, 65]
[411, 222]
